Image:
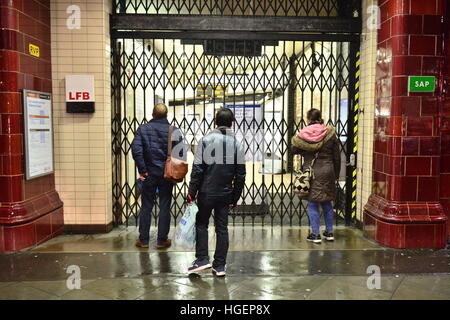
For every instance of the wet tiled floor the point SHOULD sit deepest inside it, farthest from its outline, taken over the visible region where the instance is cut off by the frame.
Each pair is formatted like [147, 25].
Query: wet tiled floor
[263, 263]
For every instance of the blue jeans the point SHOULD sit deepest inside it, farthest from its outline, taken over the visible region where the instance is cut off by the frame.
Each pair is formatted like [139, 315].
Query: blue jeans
[148, 196]
[314, 216]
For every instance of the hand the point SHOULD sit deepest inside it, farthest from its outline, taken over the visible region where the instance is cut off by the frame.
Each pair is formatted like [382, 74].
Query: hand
[142, 176]
[189, 200]
[232, 206]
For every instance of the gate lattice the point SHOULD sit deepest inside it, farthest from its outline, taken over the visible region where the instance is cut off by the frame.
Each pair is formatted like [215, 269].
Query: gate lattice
[270, 84]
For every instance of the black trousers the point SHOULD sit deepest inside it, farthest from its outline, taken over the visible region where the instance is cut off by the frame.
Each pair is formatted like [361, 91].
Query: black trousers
[221, 210]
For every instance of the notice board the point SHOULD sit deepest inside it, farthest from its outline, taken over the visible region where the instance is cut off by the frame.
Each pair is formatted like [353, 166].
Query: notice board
[38, 133]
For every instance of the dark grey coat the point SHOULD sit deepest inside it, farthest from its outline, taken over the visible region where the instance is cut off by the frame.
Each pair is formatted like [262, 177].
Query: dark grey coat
[326, 168]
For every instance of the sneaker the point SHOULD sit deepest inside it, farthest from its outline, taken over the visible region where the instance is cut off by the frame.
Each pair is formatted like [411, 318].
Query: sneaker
[314, 238]
[328, 236]
[219, 271]
[164, 244]
[141, 244]
[198, 266]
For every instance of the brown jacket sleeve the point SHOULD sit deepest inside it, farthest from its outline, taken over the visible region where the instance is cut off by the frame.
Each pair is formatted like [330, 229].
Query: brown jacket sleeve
[336, 157]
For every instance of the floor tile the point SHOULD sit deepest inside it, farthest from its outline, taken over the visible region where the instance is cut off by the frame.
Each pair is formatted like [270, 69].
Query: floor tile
[243, 293]
[387, 283]
[340, 290]
[174, 291]
[124, 289]
[82, 294]
[5, 284]
[296, 287]
[423, 288]
[438, 284]
[21, 291]
[57, 288]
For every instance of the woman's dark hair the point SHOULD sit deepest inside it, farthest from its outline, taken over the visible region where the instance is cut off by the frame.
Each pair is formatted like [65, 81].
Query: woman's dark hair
[224, 118]
[315, 116]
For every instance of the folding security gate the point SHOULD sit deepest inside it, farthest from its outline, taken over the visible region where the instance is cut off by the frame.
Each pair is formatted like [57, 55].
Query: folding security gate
[270, 81]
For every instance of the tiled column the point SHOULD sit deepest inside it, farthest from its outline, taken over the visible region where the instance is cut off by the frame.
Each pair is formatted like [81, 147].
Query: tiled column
[445, 120]
[30, 211]
[83, 141]
[404, 209]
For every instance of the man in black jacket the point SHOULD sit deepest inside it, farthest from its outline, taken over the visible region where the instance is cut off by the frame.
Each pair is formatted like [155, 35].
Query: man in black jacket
[218, 176]
[149, 150]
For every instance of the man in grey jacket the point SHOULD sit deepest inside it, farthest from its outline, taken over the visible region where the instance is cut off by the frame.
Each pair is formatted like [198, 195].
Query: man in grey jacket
[218, 176]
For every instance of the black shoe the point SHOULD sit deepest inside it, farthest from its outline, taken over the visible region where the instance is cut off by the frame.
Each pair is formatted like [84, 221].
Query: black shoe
[328, 236]
[219, 271]
[198, 266]
[314, 238]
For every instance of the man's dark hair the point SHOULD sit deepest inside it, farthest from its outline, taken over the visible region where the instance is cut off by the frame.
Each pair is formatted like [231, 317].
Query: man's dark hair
[315, 116]
[224, 117]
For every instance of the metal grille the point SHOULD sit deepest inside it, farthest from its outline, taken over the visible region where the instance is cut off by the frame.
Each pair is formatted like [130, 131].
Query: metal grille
[296, 8]
[270, 85]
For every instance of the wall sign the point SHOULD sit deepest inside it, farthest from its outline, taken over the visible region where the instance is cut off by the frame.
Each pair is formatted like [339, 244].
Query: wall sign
[421, 84]
[34, 50]
[38, 133]
[80, 93]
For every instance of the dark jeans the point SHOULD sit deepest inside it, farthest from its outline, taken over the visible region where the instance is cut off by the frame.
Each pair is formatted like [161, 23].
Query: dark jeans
[148, 195]
[221, 210]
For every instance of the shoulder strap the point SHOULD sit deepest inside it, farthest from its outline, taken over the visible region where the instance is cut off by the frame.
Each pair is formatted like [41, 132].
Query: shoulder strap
[315, 158]
[169, 144]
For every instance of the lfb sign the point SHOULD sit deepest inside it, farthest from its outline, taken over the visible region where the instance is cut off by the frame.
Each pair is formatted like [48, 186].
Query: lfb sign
[80, 94]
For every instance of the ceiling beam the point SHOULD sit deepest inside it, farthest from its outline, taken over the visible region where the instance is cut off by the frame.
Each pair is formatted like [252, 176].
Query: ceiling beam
[143, 22]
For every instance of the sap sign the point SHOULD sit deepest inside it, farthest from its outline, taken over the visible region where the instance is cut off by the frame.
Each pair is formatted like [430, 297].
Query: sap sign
[80, 94]
[421, 84]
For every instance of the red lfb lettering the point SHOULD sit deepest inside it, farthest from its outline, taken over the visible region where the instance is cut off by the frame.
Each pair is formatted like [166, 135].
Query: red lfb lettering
[79, 95]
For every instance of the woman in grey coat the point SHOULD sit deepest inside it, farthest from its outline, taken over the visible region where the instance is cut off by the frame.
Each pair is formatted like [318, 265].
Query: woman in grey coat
[319, 140]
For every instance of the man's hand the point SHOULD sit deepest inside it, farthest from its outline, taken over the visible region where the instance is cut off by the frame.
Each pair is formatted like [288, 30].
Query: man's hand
[189, 199]
[232, 206]
[142, 176]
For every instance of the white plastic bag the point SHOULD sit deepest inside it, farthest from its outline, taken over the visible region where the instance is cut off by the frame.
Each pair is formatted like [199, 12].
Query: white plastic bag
[185, 232]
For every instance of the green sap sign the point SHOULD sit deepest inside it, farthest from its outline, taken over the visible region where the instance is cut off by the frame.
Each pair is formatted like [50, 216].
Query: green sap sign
[421, 84]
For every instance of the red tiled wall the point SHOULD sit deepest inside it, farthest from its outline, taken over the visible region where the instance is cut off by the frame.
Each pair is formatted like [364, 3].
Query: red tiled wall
[23, 203]
[445, 124]
[407, 144]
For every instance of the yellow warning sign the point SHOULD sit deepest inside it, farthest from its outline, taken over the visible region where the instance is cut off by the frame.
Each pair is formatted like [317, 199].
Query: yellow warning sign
[34, 50]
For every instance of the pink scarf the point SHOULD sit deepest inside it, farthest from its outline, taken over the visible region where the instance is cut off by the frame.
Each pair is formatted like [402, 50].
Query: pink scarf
[313, 133]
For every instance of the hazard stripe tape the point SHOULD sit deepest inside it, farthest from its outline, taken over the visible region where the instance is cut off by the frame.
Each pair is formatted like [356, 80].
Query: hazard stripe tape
[355, 131]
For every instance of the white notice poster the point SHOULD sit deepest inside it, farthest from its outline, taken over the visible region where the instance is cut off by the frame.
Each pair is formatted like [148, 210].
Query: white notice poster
[38, 133]
[248, 129]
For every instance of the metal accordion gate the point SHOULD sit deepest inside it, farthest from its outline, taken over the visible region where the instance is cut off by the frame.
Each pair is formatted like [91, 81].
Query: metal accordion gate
[269, 77]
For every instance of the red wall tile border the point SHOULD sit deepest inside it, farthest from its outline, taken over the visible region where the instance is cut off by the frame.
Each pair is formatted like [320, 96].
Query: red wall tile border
[31, 209]
[25, 236]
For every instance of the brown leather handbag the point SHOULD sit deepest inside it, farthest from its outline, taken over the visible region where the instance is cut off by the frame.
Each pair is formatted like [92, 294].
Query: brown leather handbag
[174, 169]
